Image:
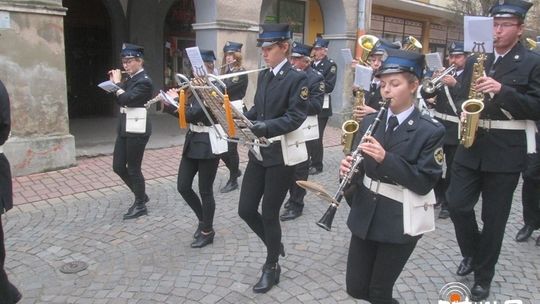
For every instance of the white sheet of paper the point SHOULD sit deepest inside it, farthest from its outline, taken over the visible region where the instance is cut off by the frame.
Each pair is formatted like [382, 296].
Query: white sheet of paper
[347, 56]
[362, 76]
[479, 32]
[168, 99]
[433, 61]
[197, 63]
[5, 20]
[109, 86]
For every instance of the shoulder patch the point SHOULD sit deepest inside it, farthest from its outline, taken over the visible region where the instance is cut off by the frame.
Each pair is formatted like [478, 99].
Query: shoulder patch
[438, 155]
[304, 93]
[333, 69]
[321, 86]
[235, 79]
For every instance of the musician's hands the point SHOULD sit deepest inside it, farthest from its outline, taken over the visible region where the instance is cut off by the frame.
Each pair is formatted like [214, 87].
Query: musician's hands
[345, 166]
[373, 148]
[115, 75]
[432, 100]
[354, 63]
[173, 93]
[449, 80]
[361, 111]
[259, 129]
[488, 85]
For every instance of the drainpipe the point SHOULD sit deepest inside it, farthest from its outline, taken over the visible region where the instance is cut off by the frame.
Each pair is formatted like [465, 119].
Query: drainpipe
[364, 19]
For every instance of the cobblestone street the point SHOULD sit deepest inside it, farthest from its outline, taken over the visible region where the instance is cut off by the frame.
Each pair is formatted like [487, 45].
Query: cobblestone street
[149, 260]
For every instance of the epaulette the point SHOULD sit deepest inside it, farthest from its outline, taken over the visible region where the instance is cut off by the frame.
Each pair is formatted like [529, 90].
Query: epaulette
[432, 120]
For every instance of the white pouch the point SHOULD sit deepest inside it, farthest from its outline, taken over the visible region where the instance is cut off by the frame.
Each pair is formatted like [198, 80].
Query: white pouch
[218, 142]
[135, 120]
[238, 104]
[326, 101]
[293, 147]
[418, 212]
[311, 128]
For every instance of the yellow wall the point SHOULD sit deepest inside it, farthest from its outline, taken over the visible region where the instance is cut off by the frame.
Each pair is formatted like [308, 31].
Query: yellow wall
[315, 22]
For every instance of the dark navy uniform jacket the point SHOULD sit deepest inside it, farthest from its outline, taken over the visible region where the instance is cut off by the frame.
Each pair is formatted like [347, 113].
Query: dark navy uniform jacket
[6, 187]
[316, 91]
[413, 160]
[498, 150]
[138, 90]
[196, 145]
[442, 105]
[236, 86]
[373, 97]
[282, 105]
[328, 68]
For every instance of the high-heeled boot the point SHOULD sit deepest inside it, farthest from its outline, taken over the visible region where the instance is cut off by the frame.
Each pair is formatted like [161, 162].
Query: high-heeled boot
[269, 278]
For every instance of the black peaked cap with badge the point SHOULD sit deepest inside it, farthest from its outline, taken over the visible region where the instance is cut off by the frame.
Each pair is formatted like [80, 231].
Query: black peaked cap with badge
[510, 8]
[231, 47]
[456, 48]
[273, 33]
[131, 51]
[398, 61]
[321, 43]
[208, 55]
[382, 45]
[300, 50]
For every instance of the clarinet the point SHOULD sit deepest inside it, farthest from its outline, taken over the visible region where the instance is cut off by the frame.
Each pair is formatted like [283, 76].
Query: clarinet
[326, 220]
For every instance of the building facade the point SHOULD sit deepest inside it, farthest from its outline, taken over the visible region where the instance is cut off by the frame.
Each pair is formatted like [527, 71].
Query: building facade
[56, 52]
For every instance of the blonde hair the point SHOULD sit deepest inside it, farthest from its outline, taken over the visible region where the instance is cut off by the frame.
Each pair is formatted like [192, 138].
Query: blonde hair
[237, 64]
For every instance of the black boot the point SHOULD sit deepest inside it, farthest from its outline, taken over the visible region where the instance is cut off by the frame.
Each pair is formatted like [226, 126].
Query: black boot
[145, 200]
[9, 293]
[198, 231]
[138, 210]
[231, 185]
[269, 278]
[290, 214]
[203, 239]
[479, 292]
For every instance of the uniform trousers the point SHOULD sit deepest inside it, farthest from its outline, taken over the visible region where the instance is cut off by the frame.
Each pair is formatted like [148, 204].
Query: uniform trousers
[5, 291]
[373, 268]
[531, 191]
[270, 184]
[231, 159]
[317, 149]
[297, 193]
[442, 185]
[204, 207]
[497, 190]
[127, 160]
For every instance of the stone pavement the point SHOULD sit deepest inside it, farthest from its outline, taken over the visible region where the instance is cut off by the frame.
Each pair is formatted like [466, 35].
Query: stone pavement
[149, 260]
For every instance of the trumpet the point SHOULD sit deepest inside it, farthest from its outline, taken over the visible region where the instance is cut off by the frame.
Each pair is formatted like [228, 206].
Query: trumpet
[433, 84]
[326, 220]
[411, 44]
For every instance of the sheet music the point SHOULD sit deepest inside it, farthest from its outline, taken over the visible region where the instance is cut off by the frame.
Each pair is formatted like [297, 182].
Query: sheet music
[478, 34]
[194, 55]
[347, 56]
[362, 77]
[168, 99]
[109, 86]
[433, 61]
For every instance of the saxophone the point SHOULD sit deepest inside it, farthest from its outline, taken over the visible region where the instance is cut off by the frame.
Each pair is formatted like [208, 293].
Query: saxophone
[350, 127]
[473, 106]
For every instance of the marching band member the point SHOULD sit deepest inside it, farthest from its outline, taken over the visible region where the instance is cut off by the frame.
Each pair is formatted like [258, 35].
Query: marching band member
[209, 59]
[301, 61]
[236, 89]
[404, 152]
[129, 146]
[491, 166]
[279, 107]
[373, 96]
[9, 294]
[328, 68]
[447, 105]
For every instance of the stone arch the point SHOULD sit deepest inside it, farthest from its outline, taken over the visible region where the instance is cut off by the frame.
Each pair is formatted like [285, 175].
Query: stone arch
[118, 26]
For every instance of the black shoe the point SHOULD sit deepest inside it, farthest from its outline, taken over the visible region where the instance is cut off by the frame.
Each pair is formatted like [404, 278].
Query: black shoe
[538, 241]
[138, 210]
[314, 171]
[198, 231]
[479, 292]
[282, 250]
[290, 214]
[11, 294]
[269, 278]
[287, 205]
[524, 233]
[203, 240]
[231, 185]
[444, 213]
[465, 267]
[145, 200]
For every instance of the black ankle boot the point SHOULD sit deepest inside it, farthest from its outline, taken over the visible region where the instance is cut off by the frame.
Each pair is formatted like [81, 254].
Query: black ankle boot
[231, 185]
[269, 278]
[198, 231]
[138, 210]
[145, 200]
[203, 240]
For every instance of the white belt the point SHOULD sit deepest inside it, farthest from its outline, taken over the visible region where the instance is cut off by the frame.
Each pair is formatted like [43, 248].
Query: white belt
[394, 192]
[447, 117]
[2, 149]
[199, 129]
[527, 125]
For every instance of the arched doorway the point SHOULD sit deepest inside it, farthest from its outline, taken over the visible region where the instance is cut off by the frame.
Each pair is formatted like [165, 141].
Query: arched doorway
[88, 57]
[178, 35]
